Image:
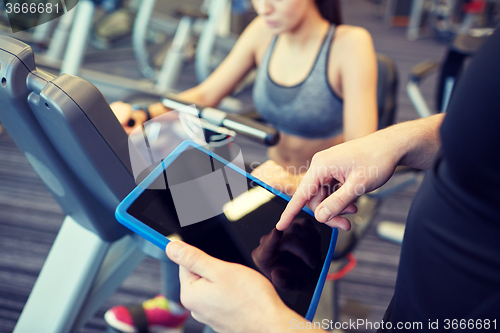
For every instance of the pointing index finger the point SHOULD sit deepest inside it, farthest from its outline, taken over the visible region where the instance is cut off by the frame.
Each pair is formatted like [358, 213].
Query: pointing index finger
[303, 194]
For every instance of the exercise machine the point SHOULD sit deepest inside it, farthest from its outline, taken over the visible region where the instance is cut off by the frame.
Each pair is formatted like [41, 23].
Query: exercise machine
[69, 135]
[449, 18]
[67, 47]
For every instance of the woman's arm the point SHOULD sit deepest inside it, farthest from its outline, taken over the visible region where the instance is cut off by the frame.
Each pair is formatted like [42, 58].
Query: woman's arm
[358, 77]
[231, 71]
[219, 84]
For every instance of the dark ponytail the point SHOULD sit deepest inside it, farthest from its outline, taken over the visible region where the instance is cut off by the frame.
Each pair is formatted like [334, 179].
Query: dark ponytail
[330, 10]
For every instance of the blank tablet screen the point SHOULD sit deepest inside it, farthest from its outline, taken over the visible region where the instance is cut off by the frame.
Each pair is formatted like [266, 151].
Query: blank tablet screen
[227, 215]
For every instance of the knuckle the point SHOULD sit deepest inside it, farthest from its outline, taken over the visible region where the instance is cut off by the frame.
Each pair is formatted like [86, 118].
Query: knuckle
[191, 258]
[336, 204]
[316, 159]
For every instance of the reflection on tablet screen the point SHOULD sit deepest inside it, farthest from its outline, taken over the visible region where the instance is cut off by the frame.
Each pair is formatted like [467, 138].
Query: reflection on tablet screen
[220, 211]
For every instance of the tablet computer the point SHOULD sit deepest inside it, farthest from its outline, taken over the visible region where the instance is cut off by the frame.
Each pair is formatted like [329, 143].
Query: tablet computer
[219, 208]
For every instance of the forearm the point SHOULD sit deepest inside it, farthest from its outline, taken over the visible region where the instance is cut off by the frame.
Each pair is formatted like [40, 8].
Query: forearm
[366, 110]
[193, 96]
[197, 95]
[415, 142]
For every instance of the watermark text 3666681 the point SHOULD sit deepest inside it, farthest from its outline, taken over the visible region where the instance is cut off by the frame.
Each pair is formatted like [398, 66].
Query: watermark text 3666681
[27, 14]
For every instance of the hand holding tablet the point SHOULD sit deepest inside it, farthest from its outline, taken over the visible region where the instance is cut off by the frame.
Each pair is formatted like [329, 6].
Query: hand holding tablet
[225, 212]
[226, 296]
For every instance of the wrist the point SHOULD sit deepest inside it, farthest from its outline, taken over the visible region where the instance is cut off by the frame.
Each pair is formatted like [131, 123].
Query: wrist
[390, 142]
[419, 141]
[142, 108]
[146, 112]
[279, 320]
[282, 319]
[157, 109]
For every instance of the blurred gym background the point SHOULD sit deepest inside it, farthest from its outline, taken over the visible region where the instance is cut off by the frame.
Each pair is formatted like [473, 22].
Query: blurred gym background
[408, 32]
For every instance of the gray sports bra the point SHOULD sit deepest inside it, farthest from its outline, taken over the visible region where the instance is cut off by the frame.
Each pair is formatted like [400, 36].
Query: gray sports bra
[310, 109]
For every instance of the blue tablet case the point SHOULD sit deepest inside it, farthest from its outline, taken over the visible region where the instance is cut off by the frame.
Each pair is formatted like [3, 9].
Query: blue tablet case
[161, 241]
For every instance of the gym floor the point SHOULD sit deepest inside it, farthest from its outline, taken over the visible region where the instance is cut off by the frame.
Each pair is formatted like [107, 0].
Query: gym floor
[30, 218]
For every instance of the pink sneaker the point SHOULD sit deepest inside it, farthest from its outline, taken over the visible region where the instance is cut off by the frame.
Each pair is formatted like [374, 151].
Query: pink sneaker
[157, 315]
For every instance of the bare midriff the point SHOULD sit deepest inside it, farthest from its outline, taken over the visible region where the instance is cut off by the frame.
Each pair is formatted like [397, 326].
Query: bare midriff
[296, 152]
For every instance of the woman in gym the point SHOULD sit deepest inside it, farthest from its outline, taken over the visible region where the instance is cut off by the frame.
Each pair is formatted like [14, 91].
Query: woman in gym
[316, 83]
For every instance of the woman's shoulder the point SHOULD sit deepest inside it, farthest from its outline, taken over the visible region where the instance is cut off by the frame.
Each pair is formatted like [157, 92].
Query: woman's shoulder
[352, 48]
[350, 35]
[350, 45]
